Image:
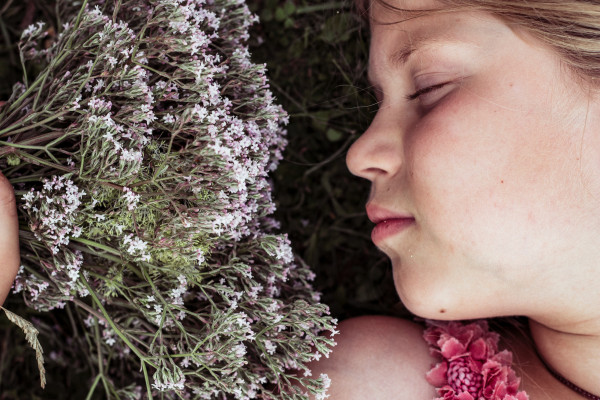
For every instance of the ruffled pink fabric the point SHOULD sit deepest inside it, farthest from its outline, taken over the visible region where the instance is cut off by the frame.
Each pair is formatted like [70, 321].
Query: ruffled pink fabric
[470, 367]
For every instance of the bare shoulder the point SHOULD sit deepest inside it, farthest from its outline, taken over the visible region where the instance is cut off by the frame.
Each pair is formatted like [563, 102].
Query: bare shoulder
[378, 358]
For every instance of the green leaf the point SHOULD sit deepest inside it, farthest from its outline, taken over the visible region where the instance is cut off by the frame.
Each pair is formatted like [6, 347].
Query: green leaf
[289, 8]
[284, 41]
[266, 15]
[289, 23]
[320, 119]
[280, 14]
[336, 29]
[333, 135]
[13, 160]
[296, 49]
[31, 335]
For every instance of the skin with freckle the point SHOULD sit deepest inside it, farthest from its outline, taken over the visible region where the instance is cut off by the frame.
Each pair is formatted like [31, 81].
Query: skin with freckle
[486, 167]
[491, 144]
[9, 238]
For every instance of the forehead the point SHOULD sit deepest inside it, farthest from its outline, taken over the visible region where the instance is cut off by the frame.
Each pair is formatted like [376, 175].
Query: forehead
[390, 11]
[395, 37]
[415, 20]
[393, 44]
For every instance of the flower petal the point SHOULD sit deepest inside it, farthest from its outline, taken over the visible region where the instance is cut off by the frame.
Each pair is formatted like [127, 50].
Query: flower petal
[478, 349]
[437, 375]
[452, 348]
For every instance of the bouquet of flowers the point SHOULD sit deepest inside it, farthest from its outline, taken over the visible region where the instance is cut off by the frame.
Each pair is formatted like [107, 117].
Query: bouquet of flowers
[140, 157]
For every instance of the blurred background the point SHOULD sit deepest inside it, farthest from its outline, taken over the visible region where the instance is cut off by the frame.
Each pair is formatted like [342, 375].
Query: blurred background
[316, 53]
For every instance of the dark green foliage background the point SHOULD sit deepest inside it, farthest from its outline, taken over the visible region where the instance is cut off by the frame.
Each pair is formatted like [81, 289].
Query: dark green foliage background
[316, 53]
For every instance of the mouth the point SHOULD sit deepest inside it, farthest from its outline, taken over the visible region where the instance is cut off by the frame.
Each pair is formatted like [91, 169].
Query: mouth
[387, 223]
[390, 227]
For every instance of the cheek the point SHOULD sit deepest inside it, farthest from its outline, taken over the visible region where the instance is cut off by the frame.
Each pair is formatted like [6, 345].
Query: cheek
[483, 178]
[458, 157]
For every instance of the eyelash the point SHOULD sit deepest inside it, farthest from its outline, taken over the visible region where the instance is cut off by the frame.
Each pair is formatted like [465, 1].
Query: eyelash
[421, 92]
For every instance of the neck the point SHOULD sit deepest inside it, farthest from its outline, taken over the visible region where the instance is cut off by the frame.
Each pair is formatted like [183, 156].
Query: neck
[573, 353]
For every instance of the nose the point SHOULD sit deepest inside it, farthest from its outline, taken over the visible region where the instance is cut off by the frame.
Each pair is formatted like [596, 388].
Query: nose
[379, 151]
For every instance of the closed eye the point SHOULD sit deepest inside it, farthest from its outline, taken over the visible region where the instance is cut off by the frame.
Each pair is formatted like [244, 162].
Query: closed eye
[421, 92]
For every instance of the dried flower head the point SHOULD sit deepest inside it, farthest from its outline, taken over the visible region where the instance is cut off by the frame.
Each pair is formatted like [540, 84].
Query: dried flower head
[141, 153]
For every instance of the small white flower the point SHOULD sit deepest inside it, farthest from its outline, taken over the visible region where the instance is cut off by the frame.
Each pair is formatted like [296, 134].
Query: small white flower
[131, 199]
[200, 256]
[270, 347]
[326, 385]
[239, 350]
[168, 119]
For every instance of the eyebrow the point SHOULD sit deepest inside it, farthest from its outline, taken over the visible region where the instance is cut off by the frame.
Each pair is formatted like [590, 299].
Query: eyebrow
[400, 57]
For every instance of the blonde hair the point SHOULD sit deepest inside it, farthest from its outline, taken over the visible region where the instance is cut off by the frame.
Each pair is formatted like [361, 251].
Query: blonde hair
[570, 27]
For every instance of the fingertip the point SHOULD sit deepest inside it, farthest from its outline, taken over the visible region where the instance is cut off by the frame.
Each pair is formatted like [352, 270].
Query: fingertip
[9, 237]
[8, 203]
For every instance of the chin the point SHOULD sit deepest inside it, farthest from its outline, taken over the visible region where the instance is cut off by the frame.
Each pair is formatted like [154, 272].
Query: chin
[436, 299]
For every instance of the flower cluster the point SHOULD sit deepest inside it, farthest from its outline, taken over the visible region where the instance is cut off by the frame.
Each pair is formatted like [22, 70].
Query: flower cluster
[471, 367]
[141, 155]
[53, 211]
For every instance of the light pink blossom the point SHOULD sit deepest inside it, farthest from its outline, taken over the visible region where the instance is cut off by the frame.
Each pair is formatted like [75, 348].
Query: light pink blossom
[470, 367]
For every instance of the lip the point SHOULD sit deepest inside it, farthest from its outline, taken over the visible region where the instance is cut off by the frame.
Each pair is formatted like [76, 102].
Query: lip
[387, 223]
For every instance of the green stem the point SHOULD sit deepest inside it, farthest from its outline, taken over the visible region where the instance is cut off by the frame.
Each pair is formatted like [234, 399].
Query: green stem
[30, 143]
[147, 379]
[331, 158]
[114, 327]
[15, 106]
[87, 308]
[97, 245]
[342, 72]
[95, 253]
[116, 11]
[138, 40]
[77, 22]
[100, 358]
[13, 131]
[21, 146]
[39, 93]
[91, 391]
[39, 161]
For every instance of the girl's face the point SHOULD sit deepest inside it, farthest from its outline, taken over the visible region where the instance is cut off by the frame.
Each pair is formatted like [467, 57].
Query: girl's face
[484, 159]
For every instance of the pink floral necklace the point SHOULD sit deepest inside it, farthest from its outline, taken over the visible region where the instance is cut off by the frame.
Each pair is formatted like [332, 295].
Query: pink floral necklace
[470, 367]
